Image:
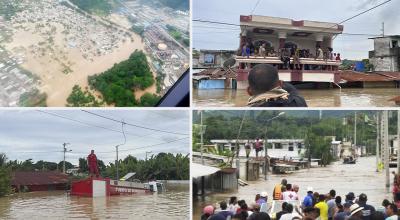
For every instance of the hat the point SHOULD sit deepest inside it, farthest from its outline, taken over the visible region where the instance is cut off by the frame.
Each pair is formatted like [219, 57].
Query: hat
[350, 196]
[208, 210]
[264, 194]
[310, 189]
[355, 208]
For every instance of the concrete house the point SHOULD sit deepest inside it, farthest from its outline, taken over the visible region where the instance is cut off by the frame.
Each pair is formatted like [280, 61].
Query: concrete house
[386, 53]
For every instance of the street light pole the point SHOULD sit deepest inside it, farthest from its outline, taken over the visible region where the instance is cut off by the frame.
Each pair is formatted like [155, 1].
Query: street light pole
[266, 162]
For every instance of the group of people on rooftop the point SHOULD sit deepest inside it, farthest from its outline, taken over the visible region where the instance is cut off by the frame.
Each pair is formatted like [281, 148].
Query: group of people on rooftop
[314, 206]
[288, 52]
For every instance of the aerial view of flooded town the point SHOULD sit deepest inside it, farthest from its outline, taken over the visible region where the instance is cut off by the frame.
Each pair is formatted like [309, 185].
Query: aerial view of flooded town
[346, 57]
[80, 53]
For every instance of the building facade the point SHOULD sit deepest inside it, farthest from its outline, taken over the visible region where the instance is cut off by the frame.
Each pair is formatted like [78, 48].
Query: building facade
[386, 54]
[282, 33]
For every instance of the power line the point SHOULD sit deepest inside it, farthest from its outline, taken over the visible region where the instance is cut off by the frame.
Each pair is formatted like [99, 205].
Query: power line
[370, 9]
[87, 124]
[252, 11]
[134, 125]
[341, 22]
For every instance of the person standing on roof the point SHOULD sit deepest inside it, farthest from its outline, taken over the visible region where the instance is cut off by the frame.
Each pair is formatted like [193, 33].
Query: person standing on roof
[278, 190]
[92, 164]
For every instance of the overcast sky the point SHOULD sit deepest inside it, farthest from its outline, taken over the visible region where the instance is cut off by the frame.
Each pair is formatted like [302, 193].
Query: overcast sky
[26, 134]
[351, 47]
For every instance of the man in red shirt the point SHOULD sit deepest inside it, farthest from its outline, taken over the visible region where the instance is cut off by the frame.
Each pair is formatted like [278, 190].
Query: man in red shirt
[92, 164]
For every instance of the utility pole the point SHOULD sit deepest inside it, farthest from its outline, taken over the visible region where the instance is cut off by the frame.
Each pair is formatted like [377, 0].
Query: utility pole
[201, 137]
[398, 141]
[385, 145]
[266, 167]
[65, 150]
[117, 161]
[383, 29]
[148, 152]
[377, 141]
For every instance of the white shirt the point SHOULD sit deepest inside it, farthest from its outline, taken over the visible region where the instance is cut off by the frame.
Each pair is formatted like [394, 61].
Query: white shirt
[289, 196]
[289, 216]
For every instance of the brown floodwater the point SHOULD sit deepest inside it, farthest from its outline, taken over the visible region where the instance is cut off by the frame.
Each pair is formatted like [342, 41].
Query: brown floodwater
[173, 204]
[358, 178]
[347, 97]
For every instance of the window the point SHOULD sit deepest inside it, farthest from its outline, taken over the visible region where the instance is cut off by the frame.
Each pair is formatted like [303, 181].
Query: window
[395, 43]
[278, 146]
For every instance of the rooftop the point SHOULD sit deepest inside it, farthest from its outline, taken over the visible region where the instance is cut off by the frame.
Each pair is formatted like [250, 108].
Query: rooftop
[38, 178]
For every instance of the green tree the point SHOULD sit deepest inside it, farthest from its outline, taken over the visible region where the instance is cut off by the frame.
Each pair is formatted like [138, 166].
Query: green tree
[5, 176]
[79, 98]
[149, 100]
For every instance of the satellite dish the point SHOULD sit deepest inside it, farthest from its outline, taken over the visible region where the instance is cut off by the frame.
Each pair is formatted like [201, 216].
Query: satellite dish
[229, 63]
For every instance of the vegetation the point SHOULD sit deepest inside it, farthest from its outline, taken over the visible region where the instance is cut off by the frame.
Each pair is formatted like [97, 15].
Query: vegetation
[33, 98]
[101, 7]
[174, 32]
[118, 83]
[293, 125]
[79, 98]
[163, 166]
[149, 100]
[138, 29]
[5, 176]
[174, 4]
[186, 41]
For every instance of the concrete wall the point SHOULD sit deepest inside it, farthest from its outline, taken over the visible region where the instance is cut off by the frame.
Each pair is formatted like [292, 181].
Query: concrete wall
[391, 84]
[385, 63]
[212, 84]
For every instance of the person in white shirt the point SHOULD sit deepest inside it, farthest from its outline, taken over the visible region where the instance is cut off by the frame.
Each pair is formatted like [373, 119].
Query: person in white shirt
[289, 195]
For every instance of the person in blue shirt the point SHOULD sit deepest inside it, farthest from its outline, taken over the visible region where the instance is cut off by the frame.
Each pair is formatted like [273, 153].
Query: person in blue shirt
[308, 200]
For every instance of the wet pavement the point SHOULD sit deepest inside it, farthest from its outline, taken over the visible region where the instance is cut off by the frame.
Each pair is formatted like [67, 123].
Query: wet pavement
[347, 97]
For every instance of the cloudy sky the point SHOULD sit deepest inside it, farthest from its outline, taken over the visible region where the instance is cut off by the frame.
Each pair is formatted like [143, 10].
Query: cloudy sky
[26, 134]
[351, 47]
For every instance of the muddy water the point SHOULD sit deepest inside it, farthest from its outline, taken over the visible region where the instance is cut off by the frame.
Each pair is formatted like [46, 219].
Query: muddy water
[173, 204]
[358, 178]
[370, 97]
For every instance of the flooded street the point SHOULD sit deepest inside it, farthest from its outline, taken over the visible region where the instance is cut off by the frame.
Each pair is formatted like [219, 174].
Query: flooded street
[348, 97]
[173, 204]
[358, 178]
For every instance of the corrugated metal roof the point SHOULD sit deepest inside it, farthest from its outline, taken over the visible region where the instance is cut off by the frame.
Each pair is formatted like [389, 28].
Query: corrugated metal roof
[38, 178]
[353, 76]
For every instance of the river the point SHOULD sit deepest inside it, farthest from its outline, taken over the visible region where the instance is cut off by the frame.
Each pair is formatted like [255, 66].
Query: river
[358, 178]
[347, 97]
[173, 204]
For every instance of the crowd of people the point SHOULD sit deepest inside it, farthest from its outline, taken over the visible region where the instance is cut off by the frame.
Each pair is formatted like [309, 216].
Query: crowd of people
[314, 206]
[287, 54]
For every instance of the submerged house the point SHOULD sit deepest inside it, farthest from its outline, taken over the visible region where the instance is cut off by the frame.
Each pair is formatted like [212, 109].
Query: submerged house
[28, 181]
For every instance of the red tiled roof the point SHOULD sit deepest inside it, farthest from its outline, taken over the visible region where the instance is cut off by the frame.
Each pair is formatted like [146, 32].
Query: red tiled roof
[31, 178]
[217, 73]
[354, 76]
[396, 99]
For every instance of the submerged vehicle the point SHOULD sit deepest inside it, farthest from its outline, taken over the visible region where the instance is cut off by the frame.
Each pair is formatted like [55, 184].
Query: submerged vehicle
[349, 160]
[101, 187]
